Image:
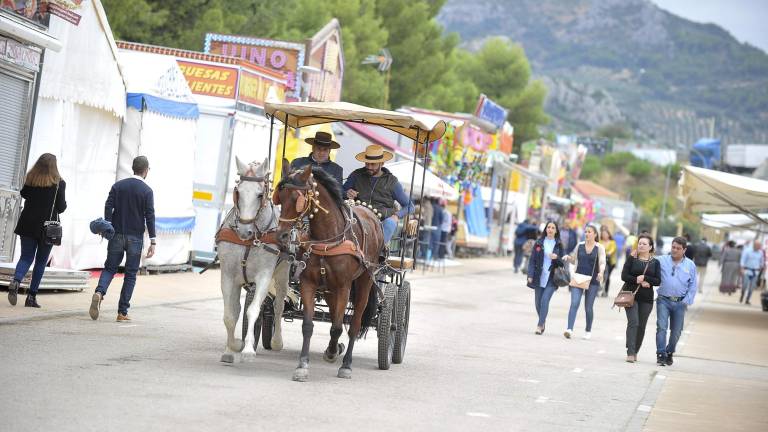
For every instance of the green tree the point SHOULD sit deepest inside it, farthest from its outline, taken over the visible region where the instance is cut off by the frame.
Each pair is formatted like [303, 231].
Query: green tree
[592, 168]
[639, 168]
[617, 161]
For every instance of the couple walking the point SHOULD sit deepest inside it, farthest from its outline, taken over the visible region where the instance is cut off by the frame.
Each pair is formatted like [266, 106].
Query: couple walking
[128, 210]
[677, 281]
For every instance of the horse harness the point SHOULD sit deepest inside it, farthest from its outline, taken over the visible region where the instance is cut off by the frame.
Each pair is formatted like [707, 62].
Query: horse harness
[307, 205]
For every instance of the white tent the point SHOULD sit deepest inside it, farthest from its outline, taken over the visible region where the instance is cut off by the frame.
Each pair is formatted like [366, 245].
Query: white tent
[433, 185]
[161, 124]
[79, 109]
[731, 221]
[704, 190]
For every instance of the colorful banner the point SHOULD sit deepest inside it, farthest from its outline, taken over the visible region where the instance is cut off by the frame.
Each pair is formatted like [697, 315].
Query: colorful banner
[210, 80]
[490, 111]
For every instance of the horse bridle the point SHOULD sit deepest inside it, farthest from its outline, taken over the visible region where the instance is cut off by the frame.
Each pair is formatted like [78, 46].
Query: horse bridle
[307, 202]
[264, 202]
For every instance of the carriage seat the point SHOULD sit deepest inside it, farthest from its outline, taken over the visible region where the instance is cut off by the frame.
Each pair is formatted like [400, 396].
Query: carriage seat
[394, 262]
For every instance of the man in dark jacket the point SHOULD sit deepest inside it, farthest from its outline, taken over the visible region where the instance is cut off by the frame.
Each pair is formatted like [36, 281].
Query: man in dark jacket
[701, 255]
[322, 144]
[130, 208]
[376, 186]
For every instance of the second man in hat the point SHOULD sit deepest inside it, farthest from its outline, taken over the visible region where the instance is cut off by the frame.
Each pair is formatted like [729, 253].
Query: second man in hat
[375, 185]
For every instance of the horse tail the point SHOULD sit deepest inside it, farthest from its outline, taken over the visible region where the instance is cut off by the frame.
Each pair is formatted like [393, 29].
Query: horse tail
[369, 314]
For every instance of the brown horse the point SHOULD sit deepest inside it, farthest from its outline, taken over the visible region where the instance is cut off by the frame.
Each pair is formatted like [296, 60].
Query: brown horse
[343, 248]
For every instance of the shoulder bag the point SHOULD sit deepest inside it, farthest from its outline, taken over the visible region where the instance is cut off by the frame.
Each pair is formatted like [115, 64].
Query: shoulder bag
[582, 281]
[626, 299]
[51, 227]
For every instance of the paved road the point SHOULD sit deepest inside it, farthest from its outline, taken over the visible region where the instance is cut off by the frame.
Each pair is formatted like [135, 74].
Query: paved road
[472, 363]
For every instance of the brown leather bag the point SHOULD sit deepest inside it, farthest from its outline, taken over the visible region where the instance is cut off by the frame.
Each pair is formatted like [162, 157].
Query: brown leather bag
[626, 299]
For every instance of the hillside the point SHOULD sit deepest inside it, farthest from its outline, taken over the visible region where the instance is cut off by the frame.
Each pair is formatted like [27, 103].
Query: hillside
[627, 61]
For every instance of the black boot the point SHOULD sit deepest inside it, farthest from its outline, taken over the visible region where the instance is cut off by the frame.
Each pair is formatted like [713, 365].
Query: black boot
[13, 292]
[31, 301]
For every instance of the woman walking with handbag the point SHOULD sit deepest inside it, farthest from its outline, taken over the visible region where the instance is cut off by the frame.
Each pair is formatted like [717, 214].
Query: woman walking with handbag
[44, 199]
[589, 260]
[545, 256]
[640, 274]
[606, 239]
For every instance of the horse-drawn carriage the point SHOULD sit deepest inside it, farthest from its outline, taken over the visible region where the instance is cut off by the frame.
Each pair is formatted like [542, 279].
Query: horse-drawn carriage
[332, 247]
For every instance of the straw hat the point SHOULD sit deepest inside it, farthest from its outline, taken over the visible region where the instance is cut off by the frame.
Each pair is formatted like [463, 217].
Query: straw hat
[323, 139]
[374, 154]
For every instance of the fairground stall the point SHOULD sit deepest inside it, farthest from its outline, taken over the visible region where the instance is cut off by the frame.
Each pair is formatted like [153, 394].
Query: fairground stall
[230, 94]
[161, 124]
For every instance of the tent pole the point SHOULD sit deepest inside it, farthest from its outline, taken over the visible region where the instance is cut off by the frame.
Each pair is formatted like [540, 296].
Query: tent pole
[271, 129]
[285, 140]
[410, 200]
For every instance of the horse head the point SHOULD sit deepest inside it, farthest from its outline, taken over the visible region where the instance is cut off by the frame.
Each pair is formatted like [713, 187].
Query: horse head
[249, 196]
[292, 196]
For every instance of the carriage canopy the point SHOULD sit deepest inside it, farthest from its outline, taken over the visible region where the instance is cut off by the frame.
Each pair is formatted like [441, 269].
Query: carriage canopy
[300, 114]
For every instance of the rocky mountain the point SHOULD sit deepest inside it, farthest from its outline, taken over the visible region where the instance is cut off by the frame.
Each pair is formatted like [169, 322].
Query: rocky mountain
[628, 61]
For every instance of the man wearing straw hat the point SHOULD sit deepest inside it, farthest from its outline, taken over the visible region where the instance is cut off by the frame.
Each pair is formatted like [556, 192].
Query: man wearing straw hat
[322, 144]
[376, 186]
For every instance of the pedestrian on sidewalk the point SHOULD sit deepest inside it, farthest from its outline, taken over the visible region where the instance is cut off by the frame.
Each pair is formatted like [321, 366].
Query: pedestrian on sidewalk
[641, 272]
[730, 266]
[130, 208]
[701, 256]
[589, 259]
[606, 239]
[676, 292]
[522, 235]
[44, 199]
[445, 230]
[546, 255]
[752, 263]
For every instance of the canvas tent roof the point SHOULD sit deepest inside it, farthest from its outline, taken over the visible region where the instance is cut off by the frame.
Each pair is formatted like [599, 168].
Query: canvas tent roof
[300, 114]
[704, 190]
[433, 185]
[155, 82]
[731, 221]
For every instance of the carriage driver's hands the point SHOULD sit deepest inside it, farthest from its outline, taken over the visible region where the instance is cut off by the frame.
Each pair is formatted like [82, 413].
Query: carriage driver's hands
[351, 194]
[151, 251]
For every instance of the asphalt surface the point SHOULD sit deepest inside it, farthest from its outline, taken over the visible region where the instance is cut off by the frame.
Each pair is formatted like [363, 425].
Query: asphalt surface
[472, 363]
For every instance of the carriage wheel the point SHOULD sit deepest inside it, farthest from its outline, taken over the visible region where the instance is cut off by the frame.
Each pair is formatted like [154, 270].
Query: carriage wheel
[268, 322]
[385, 326]
[402, 316]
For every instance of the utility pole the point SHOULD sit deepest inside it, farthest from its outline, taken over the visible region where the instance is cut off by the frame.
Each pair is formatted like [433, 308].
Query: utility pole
[666, 192]
[384, 64]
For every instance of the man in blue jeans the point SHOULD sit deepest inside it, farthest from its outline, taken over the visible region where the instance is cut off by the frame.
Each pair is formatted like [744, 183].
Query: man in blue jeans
[130, 208]
[675, 294]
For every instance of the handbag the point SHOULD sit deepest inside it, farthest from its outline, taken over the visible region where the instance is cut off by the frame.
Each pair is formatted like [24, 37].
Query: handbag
[582, 281]
[626, 299]
[561, 276]
[52, 228]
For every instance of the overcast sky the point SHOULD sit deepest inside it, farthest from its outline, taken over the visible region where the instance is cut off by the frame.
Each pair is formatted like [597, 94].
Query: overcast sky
[746, 20]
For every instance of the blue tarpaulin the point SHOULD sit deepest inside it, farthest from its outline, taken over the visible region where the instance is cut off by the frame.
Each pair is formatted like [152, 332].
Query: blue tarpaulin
[706, 153]
[142, 101]
[175, 224]
[474, 213]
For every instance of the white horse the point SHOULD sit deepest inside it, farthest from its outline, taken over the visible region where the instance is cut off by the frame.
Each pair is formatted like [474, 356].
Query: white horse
[253, 214]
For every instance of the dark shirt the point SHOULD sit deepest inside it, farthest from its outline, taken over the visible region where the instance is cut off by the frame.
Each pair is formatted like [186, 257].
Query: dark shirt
[130, 206]
[328, 166]
[634, 267]
[38, 203]
[702, 254]
[406, 206]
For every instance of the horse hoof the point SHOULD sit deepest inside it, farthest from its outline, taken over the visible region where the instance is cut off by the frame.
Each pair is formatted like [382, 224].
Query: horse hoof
[248, 357]
[227, 358]
[277, 345]
[345, 373]
[330, 358]
[301, 374]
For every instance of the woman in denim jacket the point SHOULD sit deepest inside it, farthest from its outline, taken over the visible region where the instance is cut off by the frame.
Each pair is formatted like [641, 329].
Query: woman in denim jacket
[545, 257]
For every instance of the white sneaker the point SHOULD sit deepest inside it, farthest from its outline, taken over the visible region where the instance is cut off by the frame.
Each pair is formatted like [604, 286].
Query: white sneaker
[587, 335]
[568, 333]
